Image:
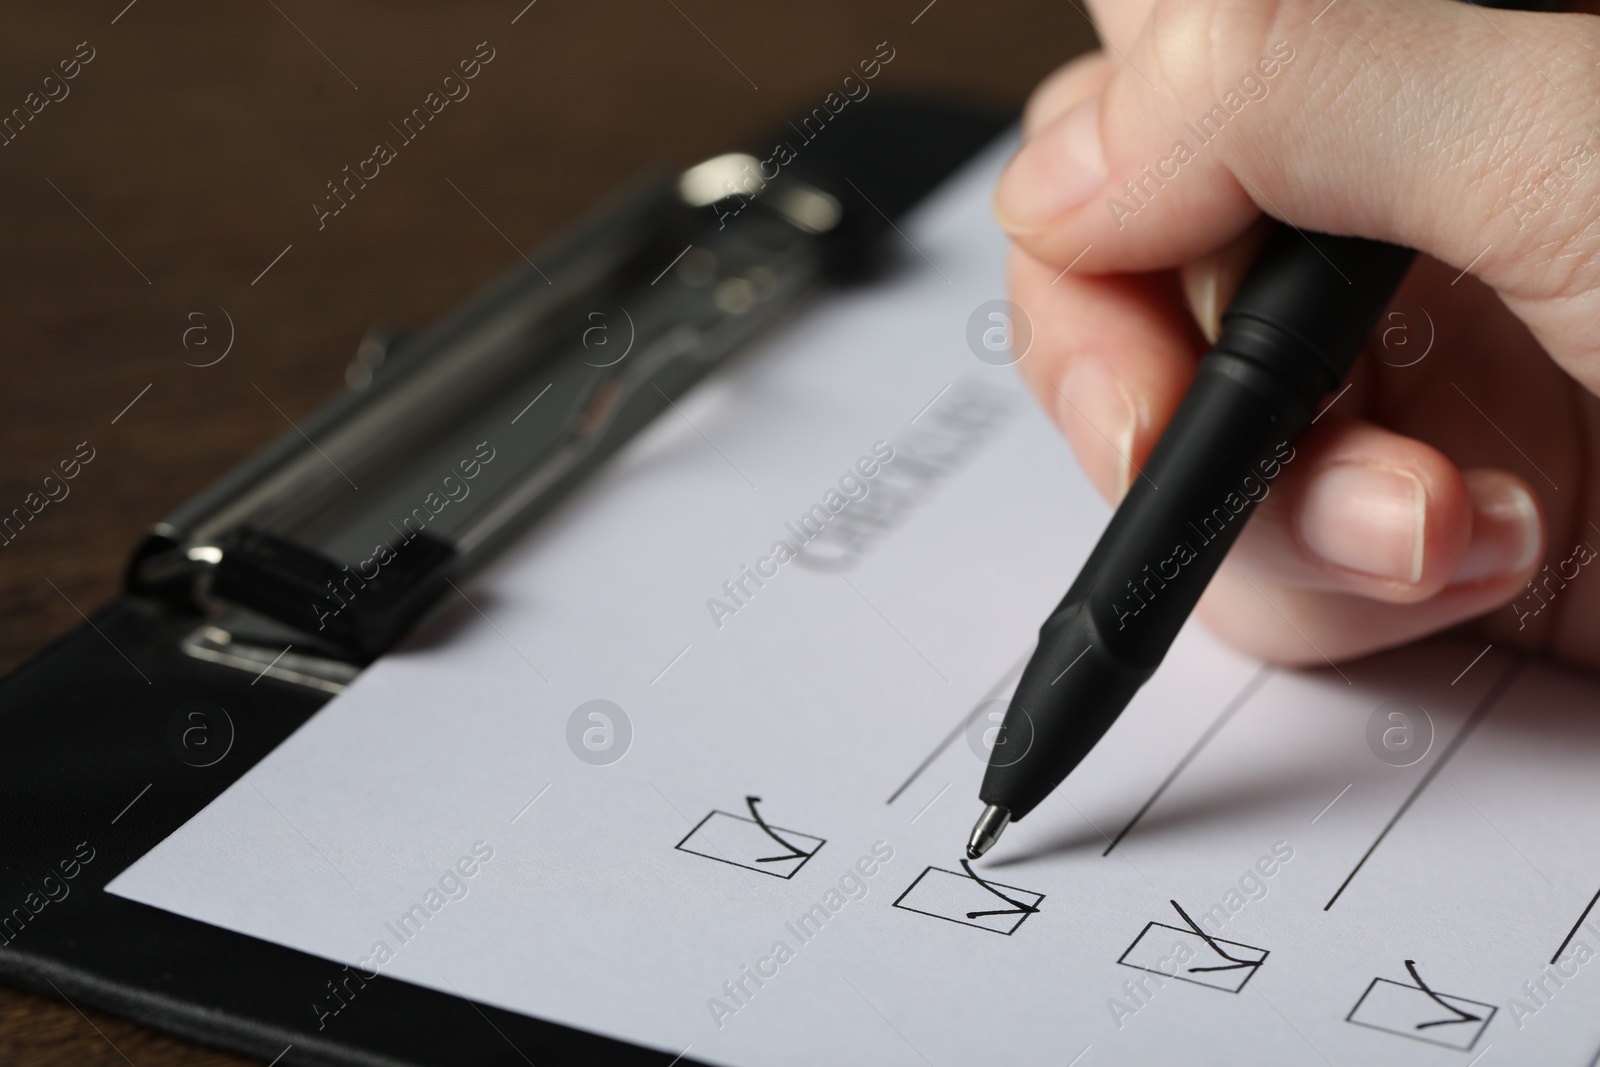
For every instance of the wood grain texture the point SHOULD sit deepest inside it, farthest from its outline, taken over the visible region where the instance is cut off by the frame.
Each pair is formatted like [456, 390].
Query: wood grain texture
[187, 154]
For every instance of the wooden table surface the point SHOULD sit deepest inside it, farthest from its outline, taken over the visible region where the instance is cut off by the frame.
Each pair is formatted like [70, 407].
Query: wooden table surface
[176, 173]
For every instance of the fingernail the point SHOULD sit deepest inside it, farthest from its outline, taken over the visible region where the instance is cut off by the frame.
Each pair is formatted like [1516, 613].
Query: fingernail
[1200, 284]
[1366, 519]
[1505, 529]
[1058, 169]
[1099, 416]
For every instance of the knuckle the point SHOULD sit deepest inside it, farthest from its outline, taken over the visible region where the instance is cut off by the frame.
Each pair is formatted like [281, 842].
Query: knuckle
[1199, 49]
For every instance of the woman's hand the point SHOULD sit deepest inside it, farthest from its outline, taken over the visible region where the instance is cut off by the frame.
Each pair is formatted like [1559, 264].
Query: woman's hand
[1461, 463]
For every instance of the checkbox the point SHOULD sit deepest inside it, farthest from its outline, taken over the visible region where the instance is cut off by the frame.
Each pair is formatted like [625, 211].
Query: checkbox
[1422, 1014]
[1209, 961]
[969, 900]
[750, 843]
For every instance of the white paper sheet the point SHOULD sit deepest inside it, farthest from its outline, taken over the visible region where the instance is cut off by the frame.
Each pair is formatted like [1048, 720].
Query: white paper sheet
[433, 824]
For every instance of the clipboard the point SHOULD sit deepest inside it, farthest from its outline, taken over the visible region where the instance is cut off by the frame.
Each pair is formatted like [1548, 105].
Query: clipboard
[249, 607]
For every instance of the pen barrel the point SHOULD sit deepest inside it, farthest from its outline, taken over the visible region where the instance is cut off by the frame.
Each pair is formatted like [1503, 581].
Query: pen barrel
[1289, 337]
[1230, 440]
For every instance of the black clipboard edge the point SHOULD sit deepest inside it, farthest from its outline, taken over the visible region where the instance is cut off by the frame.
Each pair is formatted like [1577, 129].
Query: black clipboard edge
[72, 760]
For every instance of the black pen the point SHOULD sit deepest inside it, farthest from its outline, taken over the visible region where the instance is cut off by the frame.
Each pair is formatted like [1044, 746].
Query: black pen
[1289, 337]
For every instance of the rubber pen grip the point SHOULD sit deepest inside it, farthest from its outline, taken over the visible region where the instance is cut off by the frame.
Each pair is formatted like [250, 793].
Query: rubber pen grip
[1289, 337]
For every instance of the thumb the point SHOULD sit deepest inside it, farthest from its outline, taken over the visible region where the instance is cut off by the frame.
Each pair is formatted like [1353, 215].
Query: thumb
[1460, 131]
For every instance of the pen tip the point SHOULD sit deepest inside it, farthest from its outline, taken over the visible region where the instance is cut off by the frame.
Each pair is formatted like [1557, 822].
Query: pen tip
[991, 824]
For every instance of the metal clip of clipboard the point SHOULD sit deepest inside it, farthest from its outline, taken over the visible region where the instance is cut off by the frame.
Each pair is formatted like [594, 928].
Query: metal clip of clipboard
[328, 546]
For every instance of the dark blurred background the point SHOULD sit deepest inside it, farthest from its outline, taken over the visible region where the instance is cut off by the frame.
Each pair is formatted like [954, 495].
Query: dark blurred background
[187, 154]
